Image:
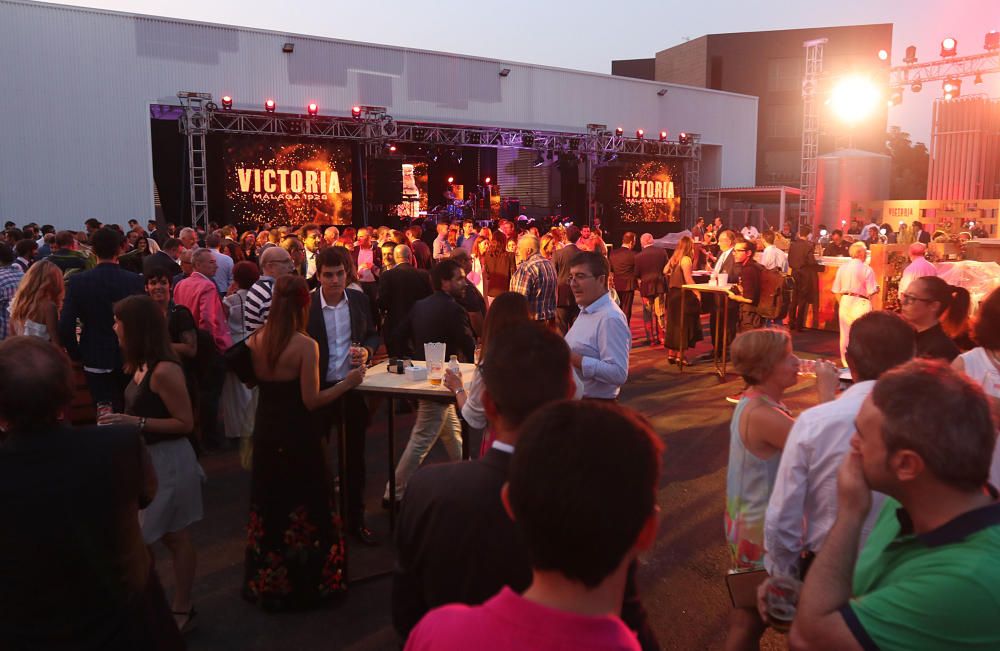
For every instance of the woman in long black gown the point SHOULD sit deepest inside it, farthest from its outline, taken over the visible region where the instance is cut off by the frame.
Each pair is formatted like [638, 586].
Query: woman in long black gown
[678, 273]
[295, 554]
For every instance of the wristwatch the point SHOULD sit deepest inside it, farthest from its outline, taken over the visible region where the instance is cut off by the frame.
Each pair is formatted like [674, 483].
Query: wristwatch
[459, 390]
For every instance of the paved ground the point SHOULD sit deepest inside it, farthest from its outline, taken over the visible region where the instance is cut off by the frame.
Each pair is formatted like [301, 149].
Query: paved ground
[681, 579]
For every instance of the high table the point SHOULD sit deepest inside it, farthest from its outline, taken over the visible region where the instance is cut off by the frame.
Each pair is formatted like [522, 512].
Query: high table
[721, 322]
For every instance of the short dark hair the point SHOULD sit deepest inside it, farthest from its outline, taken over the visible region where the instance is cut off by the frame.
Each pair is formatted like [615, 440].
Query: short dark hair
[171, 244]
[572, 233]
[937, 412]
[6, 254]
[525, 366]
[36, 383]
[986, 330]
[805, 230]
[628, 238]
[582, 484]
[837, 231]
[878, 342]
[336, 256]
[24, 248]
[444, 270]
[595, 263]
[749, 244]
[245, 274]
[768, 236]
[92, 223]
[65, 239]
[106, 242]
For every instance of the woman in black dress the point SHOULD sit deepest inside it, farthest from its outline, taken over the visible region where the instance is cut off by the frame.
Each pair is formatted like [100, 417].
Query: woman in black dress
[295, 553]
[678, 273]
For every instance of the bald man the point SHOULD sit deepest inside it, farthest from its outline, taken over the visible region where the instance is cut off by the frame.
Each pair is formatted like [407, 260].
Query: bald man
[274, 263]
[398, 289]
[918, 267]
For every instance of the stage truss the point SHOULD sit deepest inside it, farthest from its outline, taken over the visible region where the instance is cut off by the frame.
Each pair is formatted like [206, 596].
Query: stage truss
[375, 129]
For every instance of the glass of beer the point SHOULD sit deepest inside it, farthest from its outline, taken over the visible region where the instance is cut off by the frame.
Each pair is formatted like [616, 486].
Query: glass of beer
[435, 372]
[434, 353]
[782, 599]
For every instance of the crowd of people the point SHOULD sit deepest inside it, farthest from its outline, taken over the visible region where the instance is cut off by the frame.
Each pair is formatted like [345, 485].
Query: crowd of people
[191, 341]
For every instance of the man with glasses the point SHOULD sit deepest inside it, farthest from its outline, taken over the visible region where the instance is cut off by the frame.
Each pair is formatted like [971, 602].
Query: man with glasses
[746, 291]
[854, 287]
[599, 339]
[312, 238]
[274, 263]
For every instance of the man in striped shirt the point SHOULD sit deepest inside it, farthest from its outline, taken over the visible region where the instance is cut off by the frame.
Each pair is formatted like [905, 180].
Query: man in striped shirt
[536, 279]
[274, 263]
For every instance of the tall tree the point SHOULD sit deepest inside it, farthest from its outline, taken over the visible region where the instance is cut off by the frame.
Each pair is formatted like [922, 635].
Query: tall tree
[909, 165]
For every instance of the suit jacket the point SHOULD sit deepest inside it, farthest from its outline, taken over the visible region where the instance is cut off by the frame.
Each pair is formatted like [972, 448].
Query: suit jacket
[622, 263]
[456, 507]
[160, 260]
[562, 259]
[90, 296]
[362, 326]
[440, 318]
[398, 289]
[801, 257]
[649, 264]
[421, 254]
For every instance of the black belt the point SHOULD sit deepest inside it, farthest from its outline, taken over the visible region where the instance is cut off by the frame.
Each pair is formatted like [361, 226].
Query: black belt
[857, 295]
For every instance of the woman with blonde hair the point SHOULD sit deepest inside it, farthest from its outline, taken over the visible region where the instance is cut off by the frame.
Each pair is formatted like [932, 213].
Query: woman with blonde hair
[34, 311]
[548, 246]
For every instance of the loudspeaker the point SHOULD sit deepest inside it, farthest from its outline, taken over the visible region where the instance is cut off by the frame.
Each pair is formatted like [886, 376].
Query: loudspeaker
[386, 178]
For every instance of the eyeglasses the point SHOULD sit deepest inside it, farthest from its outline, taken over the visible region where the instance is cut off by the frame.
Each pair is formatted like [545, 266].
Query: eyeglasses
[905, 299]
[579, 278]
[741, 250]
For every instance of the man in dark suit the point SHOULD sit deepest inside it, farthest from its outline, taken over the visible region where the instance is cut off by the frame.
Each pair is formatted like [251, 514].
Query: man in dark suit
[76, 573]
[338, 319]
[457, 506]
[437, 318]
[622, 263]
[805, 273]
[167, 258]
[421, 252]
[398, 289]
[649, 264]
[566, 307]
[725, 263]
[90, 296]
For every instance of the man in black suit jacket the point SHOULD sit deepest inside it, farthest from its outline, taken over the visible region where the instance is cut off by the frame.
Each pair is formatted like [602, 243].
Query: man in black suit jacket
[566, 307]
[333, 305]
[422, 256]
[398, 289]
[805, 273]
[622, 263]
[457, 506]
[437, 318]
[166, 258]
[76, 573]
[90, 296]
[649, 264]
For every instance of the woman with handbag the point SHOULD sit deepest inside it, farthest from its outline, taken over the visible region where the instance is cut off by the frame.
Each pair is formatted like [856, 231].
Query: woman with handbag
[236, 396]
[678, 274]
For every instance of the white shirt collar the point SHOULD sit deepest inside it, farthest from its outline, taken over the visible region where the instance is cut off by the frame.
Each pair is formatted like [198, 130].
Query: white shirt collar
[323, 304]
[503, 447]
[598, 304]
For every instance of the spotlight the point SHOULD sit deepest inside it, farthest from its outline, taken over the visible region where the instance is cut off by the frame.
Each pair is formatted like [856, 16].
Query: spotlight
[451, 179]
[227, 103]
[356, 112]
[288, 48]
[269, 105]
[896, 98]
[911, 55]
[663, 136]
[992, 41]
[952, 88]
[916, 87]
[684, 138]
[639, 133]
[883, 55]
[527, 140]
[391, 148]
[979, 78]
[487, 180]
[313, 108]
[539, 161]
[619, 131]
[661, 92]
[949, 47]
[855, 98]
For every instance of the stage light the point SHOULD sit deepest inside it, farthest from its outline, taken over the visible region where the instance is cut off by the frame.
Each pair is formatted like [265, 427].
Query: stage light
[911, 55]
[896, 98]
[539, 161]
[684, 138]
[619, 131]
[883, 55]
[952, 89]
[639, 133]
[391, 148]
[527, 139]
[548, 155]
[356, 112]
[916, 87]
[979, 78]
[269, 105]
[487, 180]
[451, 179]
[227, 103]
[313, 108]
[663, 136]
[854, 99]
[992, 41]
[949, 47]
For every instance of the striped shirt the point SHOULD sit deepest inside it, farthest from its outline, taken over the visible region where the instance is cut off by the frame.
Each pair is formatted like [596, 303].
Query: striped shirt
[10, 278]
[258, 303]
[536, 279]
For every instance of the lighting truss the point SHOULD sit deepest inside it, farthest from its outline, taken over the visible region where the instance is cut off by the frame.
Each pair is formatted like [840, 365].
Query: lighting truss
[950, 68]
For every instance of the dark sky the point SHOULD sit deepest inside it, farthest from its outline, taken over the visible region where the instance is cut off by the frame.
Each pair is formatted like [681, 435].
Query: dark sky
[587, 35]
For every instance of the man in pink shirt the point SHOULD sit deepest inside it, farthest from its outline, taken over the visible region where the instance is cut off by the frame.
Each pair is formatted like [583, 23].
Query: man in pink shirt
[581, 538]
[199, 294]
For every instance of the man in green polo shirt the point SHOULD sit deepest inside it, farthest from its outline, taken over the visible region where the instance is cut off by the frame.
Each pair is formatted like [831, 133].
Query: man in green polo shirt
[929, 575]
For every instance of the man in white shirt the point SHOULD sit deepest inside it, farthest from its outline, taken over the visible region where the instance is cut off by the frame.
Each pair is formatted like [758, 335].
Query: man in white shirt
[854, 286]
[749, 231]
[312, 238]
[803, 503]
[772, 257]
[918, 267]
[600, 339]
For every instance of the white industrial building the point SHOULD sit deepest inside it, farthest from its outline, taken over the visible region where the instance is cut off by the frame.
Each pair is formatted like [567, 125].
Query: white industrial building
[78, 85]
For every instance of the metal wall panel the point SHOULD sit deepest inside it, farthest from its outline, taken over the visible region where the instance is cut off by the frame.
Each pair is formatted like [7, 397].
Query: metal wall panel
[77, 83]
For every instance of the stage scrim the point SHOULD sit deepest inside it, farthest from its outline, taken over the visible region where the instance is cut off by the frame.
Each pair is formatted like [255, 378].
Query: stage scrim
[282, 180]
[642, 191]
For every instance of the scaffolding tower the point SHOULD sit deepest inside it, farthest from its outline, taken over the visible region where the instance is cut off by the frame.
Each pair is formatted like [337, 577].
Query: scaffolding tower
[810, 129]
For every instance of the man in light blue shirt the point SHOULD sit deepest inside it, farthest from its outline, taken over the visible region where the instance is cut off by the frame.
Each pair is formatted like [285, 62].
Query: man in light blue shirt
[224, 272]
[600, 339]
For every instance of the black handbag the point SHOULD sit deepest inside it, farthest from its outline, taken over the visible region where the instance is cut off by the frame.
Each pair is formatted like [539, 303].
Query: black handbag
[239, 360]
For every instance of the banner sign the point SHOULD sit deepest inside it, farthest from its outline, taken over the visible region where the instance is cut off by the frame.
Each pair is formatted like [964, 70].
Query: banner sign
[643, 191]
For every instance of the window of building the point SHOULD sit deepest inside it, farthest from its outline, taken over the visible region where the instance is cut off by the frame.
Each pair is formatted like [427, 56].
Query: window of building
[783, 167]
[784, 74]
[784, 121]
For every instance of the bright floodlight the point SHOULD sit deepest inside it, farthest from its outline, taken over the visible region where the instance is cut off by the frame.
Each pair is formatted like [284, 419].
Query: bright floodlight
[883, 55]
[854, 99]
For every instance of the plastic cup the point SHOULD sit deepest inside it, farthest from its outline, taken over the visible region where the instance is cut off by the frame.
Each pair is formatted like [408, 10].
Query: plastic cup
[723, 279]
[807, 367]
[355, 353]
[434, 354]
[103, 409]
[782, 598]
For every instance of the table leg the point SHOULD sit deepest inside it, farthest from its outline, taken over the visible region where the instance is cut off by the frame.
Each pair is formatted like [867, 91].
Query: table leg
[683, 344]
[392, 465]
[342, 471]
[725, 334]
